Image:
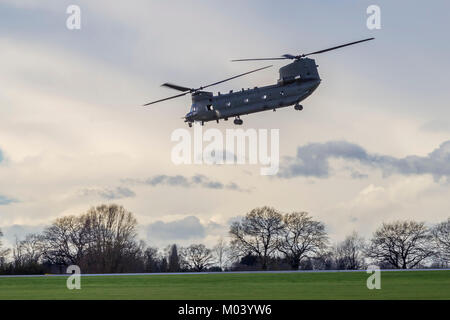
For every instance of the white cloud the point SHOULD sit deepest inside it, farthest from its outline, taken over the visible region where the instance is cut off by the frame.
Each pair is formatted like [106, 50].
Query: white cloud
[398, 198]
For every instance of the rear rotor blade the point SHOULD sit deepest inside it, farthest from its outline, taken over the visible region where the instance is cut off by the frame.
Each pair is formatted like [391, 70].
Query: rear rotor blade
[175, 87]
[172, 97]
[337, 47]
[239, 75]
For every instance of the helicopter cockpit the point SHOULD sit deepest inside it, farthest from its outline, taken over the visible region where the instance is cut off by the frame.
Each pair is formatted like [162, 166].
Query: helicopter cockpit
[194, 108]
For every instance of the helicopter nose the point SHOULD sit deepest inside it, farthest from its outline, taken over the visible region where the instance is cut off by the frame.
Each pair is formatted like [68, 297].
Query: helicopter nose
[190, 116]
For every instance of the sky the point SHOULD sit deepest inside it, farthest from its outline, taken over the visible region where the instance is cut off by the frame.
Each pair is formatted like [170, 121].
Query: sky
[372, 144]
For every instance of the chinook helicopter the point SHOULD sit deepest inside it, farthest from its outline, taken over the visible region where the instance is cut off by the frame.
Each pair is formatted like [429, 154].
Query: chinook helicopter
[298, 80]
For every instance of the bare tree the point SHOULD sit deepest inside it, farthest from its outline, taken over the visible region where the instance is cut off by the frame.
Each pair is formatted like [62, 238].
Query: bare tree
[151, 260]
[101, 240]
[401, 244]
[112, 244]
[66, 240]
[257, 233]
[349, 254]
[154, 260]
[220, 252]
[441, 237]
[3, 252]
[323, 261]
[198, 257]
[27, 254]
[300, 237]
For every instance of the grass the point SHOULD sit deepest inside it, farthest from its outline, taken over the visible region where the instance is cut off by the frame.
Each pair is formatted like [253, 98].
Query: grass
[394, 285]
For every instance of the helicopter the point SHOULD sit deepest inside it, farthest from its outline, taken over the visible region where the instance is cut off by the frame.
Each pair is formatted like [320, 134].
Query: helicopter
[298, 80]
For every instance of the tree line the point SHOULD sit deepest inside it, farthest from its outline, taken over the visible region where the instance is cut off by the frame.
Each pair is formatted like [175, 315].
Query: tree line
[105, 240]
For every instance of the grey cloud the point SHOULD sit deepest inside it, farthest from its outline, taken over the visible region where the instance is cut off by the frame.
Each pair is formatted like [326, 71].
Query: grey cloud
[6, 200]
[358, 175]
[197, 180]
[109, 194]
[214, 228]
[184, 229]
[168, 180]
[312, 160]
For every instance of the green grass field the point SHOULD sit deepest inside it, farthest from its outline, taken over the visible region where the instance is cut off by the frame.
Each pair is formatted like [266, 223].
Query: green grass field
[394, 285]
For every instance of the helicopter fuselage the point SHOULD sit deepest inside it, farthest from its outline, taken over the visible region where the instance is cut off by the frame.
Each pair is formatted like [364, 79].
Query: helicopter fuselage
[223, 106]
[298, 80]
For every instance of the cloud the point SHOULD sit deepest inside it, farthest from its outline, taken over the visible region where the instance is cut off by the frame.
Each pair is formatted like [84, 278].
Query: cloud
[439, 125]
[312, 160]
[197, 180]
[184, 231]
[358, 175]
[16, 231]
[186, 228]
[6, 200]
[109, 194]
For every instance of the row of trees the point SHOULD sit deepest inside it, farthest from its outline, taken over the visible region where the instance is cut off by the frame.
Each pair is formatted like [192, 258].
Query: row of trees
[104, 240]
[297, 239]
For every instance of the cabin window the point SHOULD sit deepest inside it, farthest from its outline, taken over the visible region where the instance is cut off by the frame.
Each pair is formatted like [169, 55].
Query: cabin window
[281, 93]
[209, 107]
[228, 104]
[246, 100]
[264, 97]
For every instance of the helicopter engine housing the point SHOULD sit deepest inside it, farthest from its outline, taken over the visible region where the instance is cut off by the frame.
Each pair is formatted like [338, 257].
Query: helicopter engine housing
[305, 69]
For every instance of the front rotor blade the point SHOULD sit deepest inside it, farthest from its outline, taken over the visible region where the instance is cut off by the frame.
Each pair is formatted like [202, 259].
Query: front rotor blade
[239, 75]
[259, 59]
[334, 48]
[172, 97]
[175, 87]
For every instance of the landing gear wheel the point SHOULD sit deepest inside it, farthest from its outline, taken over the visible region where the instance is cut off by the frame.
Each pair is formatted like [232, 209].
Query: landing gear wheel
[298, 107]
[190, 124]
[238, 121]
